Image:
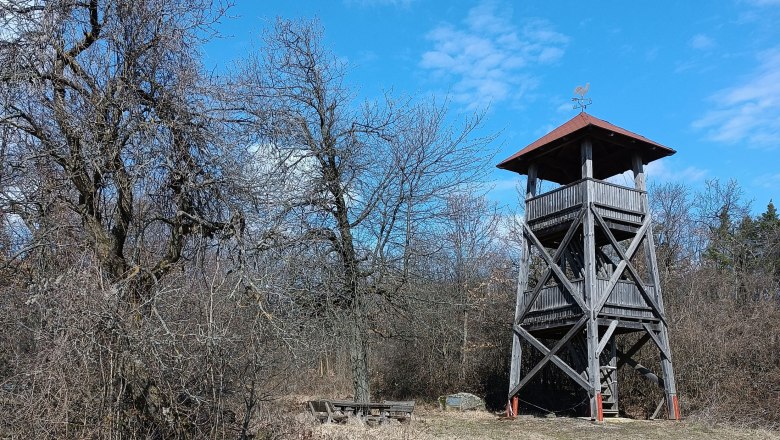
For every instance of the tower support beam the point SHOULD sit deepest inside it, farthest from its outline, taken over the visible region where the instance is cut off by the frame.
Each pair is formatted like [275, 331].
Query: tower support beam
[591, 290]
[522, 284]
[670, 388]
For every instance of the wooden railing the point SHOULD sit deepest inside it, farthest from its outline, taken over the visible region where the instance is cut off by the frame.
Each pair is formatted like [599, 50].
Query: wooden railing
[559, 199]
[617, 196]
[553, 297]
[611, 200]
[625, 301]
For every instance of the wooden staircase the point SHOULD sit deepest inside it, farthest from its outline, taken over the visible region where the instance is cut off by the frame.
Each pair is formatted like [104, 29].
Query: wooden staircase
[609, 398]
[609, 383]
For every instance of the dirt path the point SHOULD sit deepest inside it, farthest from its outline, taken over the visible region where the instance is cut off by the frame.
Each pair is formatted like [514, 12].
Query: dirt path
[431, 424]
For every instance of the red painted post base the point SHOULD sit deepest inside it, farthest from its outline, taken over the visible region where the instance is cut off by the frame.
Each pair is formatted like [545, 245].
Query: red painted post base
[599, 408]
[511, 407]
[676, 408]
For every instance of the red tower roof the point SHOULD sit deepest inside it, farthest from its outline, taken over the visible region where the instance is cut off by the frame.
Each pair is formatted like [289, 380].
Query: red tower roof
[557, 153]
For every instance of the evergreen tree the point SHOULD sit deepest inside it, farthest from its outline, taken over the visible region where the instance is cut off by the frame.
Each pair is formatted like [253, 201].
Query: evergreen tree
[719, 251]
[768, 239]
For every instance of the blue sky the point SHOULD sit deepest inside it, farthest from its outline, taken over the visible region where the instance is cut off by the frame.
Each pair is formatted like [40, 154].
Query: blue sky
[702, 77]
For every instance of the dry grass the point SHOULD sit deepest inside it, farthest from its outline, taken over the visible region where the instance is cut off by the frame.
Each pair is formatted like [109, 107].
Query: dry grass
[434, 424]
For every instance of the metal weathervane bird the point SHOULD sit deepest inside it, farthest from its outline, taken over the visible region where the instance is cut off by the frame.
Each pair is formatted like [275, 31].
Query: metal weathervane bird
[580, 100]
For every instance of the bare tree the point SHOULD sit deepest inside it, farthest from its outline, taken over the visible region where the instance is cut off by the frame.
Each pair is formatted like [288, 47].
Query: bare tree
[120, 185]
[110, 122]
[471, 231]
[675, 232]
[372, 176]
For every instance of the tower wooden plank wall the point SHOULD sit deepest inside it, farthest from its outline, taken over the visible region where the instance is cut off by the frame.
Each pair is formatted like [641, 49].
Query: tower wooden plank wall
[596, 285]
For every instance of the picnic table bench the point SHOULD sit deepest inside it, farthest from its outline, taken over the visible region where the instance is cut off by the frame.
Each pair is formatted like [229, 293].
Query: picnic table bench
[380, 412]
[400, 410]
[325, 411]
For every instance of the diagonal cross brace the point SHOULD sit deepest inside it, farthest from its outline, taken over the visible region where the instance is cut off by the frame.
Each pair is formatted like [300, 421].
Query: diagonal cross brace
[664, 350]
[550, 355]
[625, 263]
[641, 369]
[555, 268]
[547, 273]
[607, 334]
[634, 349]
[622, 265]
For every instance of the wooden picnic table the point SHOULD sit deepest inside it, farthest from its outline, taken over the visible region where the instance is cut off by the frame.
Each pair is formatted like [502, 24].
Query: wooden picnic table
[373, 411]
[380, 412]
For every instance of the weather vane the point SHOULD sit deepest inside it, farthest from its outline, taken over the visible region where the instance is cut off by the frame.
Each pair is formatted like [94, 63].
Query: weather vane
[580, 101]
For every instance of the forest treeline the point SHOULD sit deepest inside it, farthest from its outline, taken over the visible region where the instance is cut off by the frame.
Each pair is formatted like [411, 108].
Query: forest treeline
[178, 248]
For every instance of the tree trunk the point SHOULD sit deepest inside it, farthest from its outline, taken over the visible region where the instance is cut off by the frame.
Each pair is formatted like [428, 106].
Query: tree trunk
[464, 346]
[358, 354]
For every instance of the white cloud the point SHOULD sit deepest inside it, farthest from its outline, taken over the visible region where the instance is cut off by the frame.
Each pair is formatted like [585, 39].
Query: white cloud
[489, 59]
[505, 185]
[701, 42]
[764, 2]
[293, 170]
[749, 112]
[565, 108]
[769, 181]
[652, 53]
[509, 229]
[662, 171]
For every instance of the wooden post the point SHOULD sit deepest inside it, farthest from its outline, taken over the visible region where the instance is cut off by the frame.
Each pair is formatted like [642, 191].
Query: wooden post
[670, 388]
[530, 185]
[639, 173]
[586, 153]
[591, 291]
[522, 285]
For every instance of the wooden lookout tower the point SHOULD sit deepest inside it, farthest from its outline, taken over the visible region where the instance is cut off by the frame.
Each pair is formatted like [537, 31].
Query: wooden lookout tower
[589, 251]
